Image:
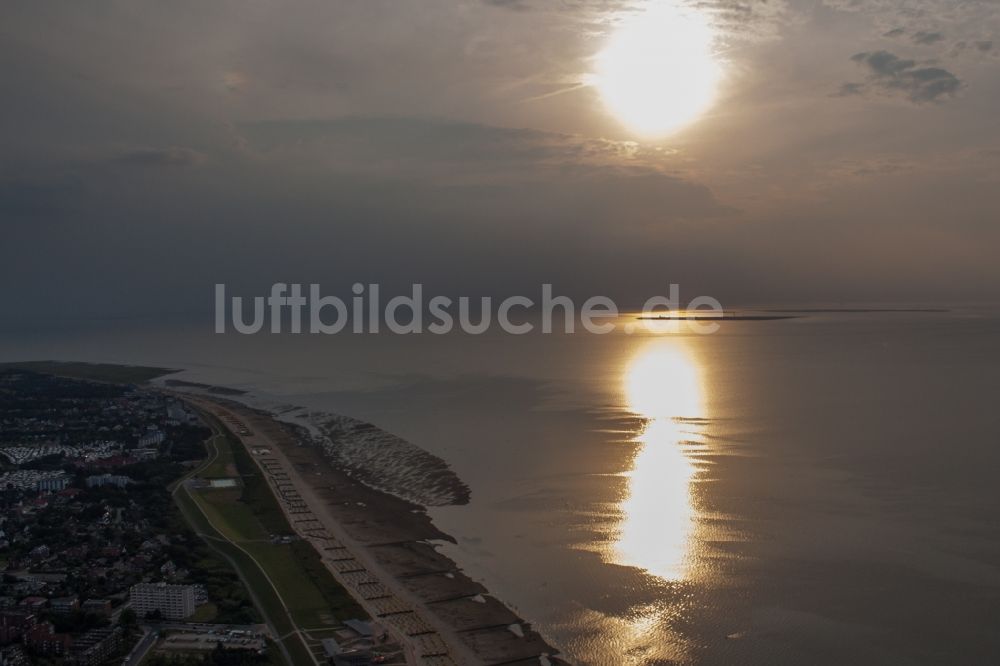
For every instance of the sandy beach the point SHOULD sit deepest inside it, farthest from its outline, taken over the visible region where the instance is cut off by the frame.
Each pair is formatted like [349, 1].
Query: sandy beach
[378, 547]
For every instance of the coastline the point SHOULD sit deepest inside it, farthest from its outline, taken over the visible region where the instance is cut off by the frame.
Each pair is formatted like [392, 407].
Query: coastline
[379, 547]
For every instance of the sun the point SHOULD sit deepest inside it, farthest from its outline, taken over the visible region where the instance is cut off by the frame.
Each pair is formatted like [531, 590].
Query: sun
[658, 73]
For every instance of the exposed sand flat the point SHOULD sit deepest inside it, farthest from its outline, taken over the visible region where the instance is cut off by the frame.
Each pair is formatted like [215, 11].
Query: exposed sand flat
[499, 645]
[375, 544]
[411, 558]
[438, 587]
[467, 615]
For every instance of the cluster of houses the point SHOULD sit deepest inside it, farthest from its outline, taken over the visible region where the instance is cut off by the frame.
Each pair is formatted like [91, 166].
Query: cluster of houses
[103, 553]
[25, 626]
[97, 455]
[30, 479]
[70, 558]
[88, 452]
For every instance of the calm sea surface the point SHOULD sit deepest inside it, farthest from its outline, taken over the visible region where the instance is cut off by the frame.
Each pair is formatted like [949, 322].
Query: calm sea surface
[820, 490]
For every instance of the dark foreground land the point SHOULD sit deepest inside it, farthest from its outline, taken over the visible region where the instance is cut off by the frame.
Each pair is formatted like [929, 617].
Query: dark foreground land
[86, 468]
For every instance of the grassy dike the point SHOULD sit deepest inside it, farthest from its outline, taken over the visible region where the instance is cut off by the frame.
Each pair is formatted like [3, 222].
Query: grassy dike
[289, 583]
[260, 588]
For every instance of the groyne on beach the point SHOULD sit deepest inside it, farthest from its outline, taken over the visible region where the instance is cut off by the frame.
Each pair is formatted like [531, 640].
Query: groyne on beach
[378, 545]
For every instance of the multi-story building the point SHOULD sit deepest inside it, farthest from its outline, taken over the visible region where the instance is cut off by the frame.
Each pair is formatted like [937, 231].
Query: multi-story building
[100, 480]
[97, 607]
[43, 639]
[175, 602]
[152, 437]
[64, 605]
[53, 483]
[96, 646]
[14, 624]
[30, 479]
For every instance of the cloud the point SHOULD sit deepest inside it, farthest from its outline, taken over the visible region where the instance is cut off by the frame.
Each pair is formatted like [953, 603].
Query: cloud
[895, 75]
[429, 144]
[156, 157]
[850, 90]
[531, 186]
[927, 38]
[978, 46]
[519, 5]
[392, 200]
[927, 22]
[515, 173]
[753, 21]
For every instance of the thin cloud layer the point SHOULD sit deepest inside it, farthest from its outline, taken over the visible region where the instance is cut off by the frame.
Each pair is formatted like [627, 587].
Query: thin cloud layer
[927, 38]
[154, 157]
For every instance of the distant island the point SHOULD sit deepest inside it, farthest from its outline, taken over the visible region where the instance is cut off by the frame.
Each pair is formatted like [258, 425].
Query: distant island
[860, 310]
[718, 317]
[97, 372]
[771, 314]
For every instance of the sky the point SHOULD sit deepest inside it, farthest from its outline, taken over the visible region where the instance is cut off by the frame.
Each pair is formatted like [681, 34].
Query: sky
[850, 151]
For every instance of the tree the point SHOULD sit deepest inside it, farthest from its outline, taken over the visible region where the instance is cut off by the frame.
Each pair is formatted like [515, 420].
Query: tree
[127, 619]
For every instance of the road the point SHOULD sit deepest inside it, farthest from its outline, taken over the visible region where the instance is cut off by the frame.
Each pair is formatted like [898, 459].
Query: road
[138, 653]
[181, 486]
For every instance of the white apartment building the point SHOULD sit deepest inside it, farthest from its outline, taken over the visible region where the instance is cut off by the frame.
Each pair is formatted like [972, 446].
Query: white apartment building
[175, 602]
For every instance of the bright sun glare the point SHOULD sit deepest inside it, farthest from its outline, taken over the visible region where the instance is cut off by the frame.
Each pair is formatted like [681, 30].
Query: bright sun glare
[658, 73]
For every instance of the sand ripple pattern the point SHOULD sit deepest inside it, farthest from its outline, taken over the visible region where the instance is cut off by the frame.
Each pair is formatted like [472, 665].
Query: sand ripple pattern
[384, 461]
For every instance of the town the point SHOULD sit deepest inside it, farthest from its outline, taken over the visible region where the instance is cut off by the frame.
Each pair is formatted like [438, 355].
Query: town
[95, 558]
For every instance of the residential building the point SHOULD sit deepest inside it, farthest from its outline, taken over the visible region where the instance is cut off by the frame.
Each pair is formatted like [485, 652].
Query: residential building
[97, 607]
[33, 604]
[14, 624]
[43, 639]
[100, 480]
[64, 605]
[175, 602]
[152, 438]
[96, 646]
[53, 483]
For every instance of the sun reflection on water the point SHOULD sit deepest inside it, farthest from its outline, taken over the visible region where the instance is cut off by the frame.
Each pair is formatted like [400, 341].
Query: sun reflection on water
[663, 385]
